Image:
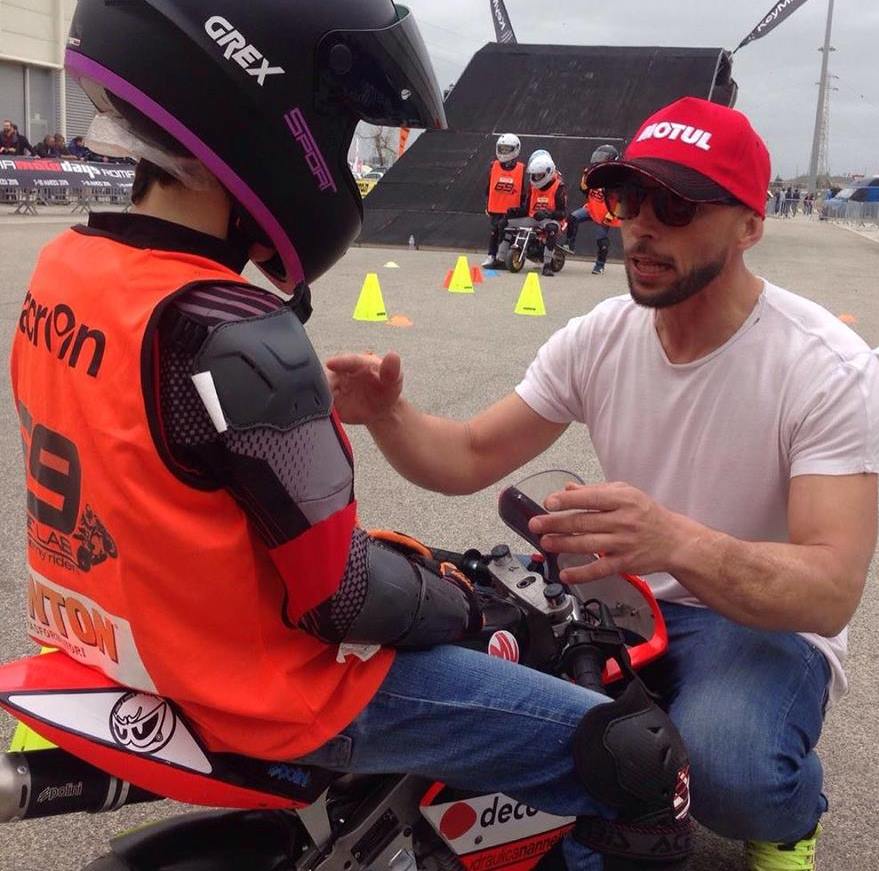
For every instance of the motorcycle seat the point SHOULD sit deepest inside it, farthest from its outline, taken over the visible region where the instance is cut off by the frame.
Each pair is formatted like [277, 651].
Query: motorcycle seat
[144, 739]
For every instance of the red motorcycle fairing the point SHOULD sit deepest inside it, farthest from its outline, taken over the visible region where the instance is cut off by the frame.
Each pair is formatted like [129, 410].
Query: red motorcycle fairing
[492, 830]
[654, 639]
[143, 739]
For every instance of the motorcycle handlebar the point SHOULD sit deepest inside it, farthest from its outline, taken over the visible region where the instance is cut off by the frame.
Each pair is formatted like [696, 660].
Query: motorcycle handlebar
[584, 666]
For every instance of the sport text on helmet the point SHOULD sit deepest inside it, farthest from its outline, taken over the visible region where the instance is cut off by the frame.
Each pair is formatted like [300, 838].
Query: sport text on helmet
[295, 78]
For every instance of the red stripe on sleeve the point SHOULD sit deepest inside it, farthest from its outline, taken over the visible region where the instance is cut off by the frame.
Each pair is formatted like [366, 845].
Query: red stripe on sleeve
[313, 564]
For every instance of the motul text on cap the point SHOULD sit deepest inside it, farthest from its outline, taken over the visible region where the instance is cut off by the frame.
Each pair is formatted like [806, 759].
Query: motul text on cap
[713, 140]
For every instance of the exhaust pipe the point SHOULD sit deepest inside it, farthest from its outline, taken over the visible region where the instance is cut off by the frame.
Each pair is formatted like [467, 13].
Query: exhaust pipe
[47, 783]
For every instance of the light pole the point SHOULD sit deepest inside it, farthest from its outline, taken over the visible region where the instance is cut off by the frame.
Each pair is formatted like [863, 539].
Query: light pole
[822, 95]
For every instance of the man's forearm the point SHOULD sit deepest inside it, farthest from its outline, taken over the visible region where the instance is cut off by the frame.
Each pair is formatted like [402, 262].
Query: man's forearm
[768, 585]
[433, 452]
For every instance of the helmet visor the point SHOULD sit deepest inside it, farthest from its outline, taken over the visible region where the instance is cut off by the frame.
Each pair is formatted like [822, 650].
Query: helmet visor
[507, 150]
[384, 77]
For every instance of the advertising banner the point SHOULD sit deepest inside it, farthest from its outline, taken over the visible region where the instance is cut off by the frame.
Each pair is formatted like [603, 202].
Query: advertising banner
[65, 179]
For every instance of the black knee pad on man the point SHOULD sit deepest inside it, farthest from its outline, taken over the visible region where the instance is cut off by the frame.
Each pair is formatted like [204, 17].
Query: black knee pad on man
[631, 758]
[603, 249]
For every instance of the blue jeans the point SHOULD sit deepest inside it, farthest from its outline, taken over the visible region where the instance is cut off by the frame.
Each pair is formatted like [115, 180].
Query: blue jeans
[477, 723]
[750, 706]
[748, 703]
[601, 231]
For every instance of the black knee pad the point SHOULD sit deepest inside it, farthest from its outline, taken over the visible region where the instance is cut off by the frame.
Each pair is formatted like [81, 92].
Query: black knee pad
[603, 248]
[631, 758]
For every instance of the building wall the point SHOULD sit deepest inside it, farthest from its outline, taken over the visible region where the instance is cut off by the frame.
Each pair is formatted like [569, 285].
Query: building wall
[30, 30]
[34, 91]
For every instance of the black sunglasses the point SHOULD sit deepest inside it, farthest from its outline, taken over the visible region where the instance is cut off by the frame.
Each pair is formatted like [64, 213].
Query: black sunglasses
[624, 201]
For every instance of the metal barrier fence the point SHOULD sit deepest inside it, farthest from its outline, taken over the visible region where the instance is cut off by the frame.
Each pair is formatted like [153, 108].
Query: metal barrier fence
[790, 207]
[859, 213]
[27, 200]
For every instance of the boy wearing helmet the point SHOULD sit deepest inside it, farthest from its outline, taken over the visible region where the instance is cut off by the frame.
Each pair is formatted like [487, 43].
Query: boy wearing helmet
[506, 190]
[167, 399]
[595, 210]
[546, 206]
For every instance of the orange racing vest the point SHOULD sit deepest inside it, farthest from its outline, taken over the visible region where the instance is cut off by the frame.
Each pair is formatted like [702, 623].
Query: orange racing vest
[163, 586]
[543, 199]
[597, 208]
[505, 188]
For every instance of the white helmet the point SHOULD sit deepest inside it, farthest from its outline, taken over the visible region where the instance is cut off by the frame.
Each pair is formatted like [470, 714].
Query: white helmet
[541, 169]
[537, 153]
[507, 148]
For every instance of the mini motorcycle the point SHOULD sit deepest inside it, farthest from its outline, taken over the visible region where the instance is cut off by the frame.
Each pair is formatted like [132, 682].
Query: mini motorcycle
[528, 243]
[116, 746]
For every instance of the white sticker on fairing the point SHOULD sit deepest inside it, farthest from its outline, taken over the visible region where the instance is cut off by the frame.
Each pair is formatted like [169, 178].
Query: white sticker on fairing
[492, 819]
[139, 723]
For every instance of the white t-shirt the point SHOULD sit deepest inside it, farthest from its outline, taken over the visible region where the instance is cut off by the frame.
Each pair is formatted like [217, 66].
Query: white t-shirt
[793, 392]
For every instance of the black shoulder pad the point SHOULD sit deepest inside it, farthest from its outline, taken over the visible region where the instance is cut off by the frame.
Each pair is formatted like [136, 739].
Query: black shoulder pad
[266, 372]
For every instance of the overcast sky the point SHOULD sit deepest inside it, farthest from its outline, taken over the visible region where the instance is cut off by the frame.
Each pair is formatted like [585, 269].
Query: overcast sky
[777, 75]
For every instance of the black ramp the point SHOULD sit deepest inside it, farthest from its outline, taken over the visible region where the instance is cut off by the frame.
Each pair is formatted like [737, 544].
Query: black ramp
[568, 99]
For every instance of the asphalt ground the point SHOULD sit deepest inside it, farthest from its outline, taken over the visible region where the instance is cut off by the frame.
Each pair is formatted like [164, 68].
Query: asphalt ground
[460, 353]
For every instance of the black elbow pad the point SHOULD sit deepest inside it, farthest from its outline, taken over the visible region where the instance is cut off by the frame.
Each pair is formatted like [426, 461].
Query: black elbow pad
[408, 605]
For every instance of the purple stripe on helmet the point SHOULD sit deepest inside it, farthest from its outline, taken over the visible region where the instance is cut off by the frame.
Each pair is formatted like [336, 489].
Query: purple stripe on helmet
[237, 186]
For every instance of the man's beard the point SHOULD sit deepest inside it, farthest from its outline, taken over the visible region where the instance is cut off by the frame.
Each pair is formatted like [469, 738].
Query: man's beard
[689, 285]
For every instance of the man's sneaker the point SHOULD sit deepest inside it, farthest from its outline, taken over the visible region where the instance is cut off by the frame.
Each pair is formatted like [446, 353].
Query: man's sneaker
[598, 269]
[547, 271]
[491, 263]
[769, 856]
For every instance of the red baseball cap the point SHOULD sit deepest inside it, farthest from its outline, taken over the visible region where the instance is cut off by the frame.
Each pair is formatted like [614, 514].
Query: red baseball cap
[700, 150]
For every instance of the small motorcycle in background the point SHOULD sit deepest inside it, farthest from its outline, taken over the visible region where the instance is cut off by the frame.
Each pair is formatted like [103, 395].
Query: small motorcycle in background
[528, 243]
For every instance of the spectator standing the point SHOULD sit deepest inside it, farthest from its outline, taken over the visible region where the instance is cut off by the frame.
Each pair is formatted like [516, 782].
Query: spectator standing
[61, 146]
[78, 150]
[47, 148]
[788, 199]
[13, 142]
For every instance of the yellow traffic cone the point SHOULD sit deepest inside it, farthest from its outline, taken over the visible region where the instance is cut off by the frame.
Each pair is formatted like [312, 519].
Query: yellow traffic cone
[462, 280]
[370, 305]
[531, 299]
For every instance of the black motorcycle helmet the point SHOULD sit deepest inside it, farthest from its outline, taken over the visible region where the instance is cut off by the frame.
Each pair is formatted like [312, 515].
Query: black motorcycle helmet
[604, 153]
[266, 94]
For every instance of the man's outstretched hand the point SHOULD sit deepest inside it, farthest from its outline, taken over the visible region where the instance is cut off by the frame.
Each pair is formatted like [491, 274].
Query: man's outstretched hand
[629, 531]
[365, 387]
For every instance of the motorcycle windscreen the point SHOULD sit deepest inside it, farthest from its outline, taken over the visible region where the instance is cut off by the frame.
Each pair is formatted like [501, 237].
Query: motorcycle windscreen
[384, 77]
[524, 500]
